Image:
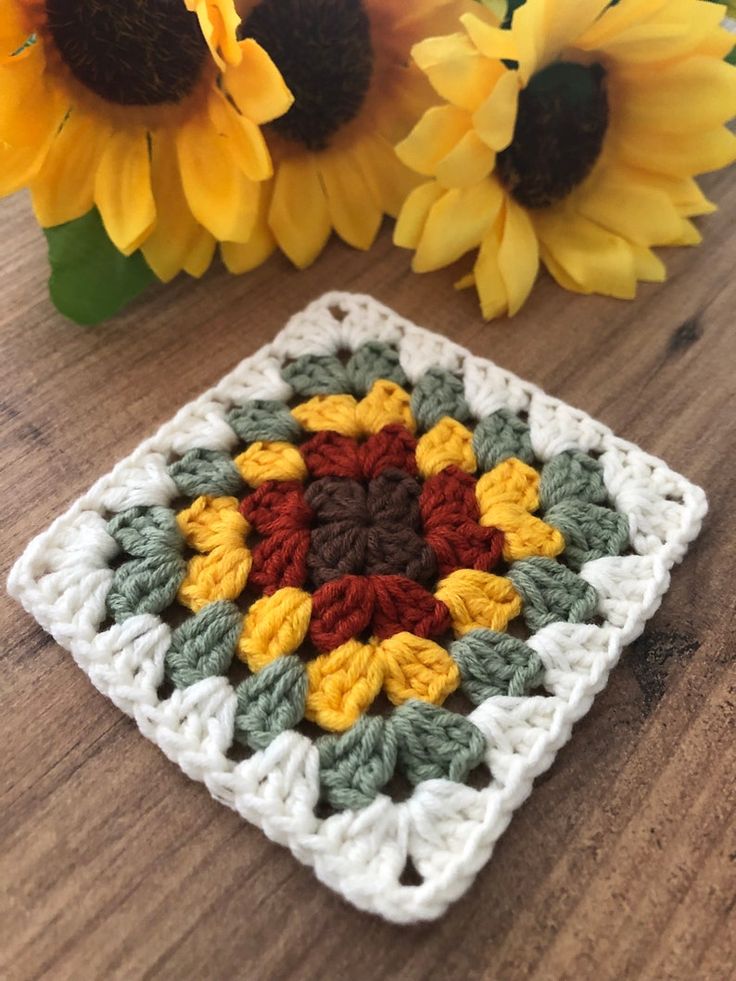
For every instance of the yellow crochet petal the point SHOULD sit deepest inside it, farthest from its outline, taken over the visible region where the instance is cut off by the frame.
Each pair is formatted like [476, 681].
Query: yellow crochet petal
[416, 667]
[275, 625]
[385, 403]
[213, 521]
[264, 461]
[335, 412]
[523, 535]
[342, 684]
[478, 599]
[220, 575]
[511, 482]
[447, 444]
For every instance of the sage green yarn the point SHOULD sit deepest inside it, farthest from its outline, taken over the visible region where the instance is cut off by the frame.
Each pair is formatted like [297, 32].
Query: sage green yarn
[202, 471]
[552, 593]
[271, 701]
[264, 419]
[433, 743]
[204, 644]
[371, 361]
[493, 663]
[145, 585]
[357, 765]
[316, 374]
[571, 475]
[589, 530]
[146, 532]
[500, 436]
[437, 394]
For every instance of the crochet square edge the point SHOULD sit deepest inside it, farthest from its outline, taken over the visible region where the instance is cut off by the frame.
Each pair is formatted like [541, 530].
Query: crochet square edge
[447, 830]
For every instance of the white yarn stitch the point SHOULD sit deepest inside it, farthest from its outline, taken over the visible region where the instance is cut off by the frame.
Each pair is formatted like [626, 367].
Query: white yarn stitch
[448, 830]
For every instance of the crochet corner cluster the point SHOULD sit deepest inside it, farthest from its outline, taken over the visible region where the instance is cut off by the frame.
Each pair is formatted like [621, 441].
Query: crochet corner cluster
[367, 537]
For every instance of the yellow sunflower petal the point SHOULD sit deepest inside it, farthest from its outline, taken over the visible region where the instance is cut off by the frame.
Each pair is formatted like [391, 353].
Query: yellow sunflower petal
[169, 246]
[23, 84]
[468, 162]
[13, 31]
[543, 30]
[298, 216]
[518, 255]
[616, 21]
[264, 461]
[219, 575]
[596, 260]
[414, 213]
[385, 404]
[123, 191]
[642, 214]
[256, 85]
[456, 224]
[490, 40]
[702, 89]
[478, 599]
[437, 133]
[447, 444]
[243, 139]
[242, 257]
[495, 119]
[511, 482]
[678, 154]
[388, 179]
[456, 71]
[343, 684]
[219, 22]
[334, 412]
[416, 667]
[64, 187]
[276, 625]
[220, 197]
[200, 254]
[354, 214]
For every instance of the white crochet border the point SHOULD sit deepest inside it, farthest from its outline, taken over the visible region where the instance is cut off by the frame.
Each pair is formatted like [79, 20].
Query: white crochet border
[447, 829]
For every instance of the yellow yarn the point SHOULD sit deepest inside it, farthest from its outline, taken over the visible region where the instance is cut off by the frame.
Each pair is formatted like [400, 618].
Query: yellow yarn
[524, 535]
[219, 575]
[448, 443]
[511, 482]
[212, 521]
[478, 599]
[275, 625]
[417, 668]
[334, 412]
[264, 461]
[385, 403]
[505, 497]
[342, 684]
[215, 526]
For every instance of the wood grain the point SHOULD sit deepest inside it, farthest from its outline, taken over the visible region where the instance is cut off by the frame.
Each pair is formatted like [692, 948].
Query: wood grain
[623, 862]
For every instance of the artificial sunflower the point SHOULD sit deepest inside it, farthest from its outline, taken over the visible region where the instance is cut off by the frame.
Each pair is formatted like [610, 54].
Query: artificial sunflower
[573, 138]
[149, 111]
[347, 63]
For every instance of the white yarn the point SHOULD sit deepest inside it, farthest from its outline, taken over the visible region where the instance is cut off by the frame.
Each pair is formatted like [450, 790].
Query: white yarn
[448, 830]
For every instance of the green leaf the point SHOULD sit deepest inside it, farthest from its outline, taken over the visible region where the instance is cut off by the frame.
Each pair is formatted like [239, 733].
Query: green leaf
[90, 280]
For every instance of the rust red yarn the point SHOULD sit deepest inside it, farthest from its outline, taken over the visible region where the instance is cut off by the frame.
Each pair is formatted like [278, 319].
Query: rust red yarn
[280, 559]
[393, 447]
[277, 505]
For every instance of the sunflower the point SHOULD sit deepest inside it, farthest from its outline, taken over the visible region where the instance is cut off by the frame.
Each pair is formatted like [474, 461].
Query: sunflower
[347, 63]
[149, 111]
[573, 138]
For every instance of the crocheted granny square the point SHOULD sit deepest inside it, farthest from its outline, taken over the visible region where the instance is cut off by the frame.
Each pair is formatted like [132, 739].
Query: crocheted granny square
[362, 589]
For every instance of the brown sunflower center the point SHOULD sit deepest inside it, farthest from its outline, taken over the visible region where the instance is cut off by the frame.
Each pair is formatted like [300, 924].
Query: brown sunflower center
[131, 52]
[560, 127]
[323, 50]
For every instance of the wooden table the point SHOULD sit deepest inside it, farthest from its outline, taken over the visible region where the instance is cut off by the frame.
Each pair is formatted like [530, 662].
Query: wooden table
[622, 865]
